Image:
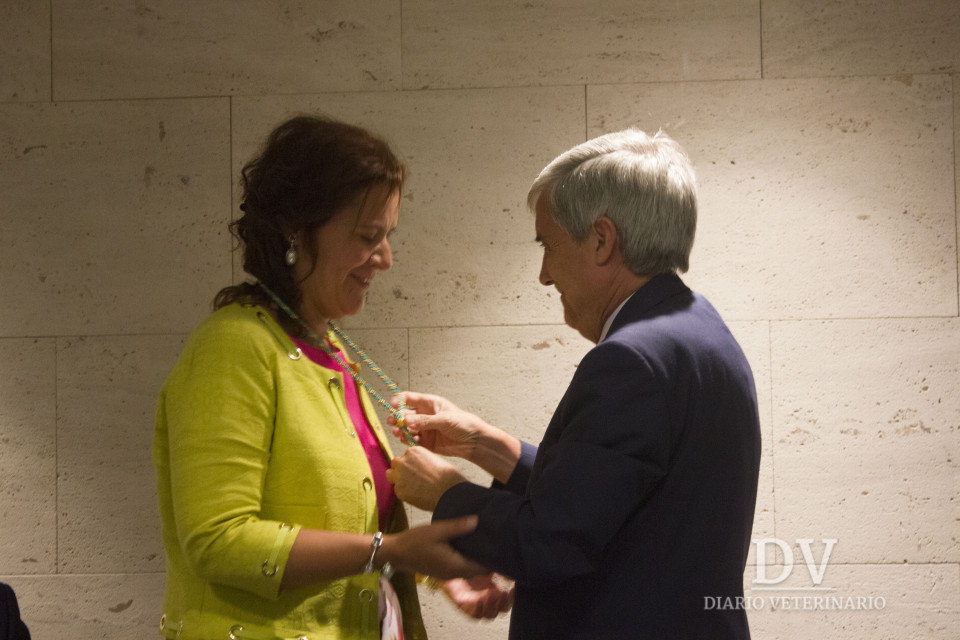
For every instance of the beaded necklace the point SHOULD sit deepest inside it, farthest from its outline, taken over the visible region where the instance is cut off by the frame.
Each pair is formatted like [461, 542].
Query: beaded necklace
[398, 412]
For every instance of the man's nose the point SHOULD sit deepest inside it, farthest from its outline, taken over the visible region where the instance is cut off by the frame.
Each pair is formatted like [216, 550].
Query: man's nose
[545, 278]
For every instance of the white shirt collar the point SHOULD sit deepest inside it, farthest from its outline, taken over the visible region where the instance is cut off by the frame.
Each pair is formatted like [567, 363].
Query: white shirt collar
[609, 321]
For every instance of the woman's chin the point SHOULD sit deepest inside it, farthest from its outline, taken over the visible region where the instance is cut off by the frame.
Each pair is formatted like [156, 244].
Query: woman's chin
[355, 308]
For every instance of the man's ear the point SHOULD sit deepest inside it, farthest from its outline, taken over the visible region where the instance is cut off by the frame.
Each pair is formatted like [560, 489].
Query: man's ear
[607, 244]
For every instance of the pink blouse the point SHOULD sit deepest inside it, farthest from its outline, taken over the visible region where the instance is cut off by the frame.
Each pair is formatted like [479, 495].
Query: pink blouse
[375, 456]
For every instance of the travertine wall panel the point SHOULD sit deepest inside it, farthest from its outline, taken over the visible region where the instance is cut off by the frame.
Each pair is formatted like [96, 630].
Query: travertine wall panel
[28, 473]
[858, 601]
[513, 377]
[867, 436]
[107, 390]
[24, 50]
[114, 215]
[813, 193]
[464, 253]
[173, 49]
[837, 38]
[503, 43]
[91, 606]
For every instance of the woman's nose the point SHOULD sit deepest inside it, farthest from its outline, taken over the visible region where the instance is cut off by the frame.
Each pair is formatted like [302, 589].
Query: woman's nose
[384, 255]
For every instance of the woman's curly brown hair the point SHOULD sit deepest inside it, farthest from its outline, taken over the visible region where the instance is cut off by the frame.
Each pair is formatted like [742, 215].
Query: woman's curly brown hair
[309, 169]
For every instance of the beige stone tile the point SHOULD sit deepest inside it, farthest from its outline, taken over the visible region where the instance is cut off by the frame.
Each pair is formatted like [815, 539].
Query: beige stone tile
[513, 377]
[28, 461]
[867, 442]
[464, 253]
[25, 51]
[67, 607]
[114, 215]
[106, 401]
[818, 198]
[859, 601]
[502, 43]
[837, 38]
[175, 49]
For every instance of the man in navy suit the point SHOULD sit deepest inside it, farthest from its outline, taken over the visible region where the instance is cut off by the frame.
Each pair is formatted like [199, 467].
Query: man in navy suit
[632, 519]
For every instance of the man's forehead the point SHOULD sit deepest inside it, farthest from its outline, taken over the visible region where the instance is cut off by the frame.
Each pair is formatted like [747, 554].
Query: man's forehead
[544, 222]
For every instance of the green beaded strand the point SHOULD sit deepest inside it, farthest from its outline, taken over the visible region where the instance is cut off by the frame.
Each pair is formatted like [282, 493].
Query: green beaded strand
[398, 412]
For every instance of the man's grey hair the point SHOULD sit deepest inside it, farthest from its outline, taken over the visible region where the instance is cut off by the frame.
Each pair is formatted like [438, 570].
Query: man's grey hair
[644, 184]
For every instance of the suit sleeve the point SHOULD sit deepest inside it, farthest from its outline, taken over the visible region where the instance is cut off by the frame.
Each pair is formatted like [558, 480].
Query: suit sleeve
[605, 450]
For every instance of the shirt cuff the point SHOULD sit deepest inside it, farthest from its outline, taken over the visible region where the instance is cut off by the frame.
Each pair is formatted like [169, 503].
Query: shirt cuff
[517, 483]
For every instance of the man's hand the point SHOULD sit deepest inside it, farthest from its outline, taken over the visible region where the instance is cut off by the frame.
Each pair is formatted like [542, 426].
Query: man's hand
[480, 597]
[440, 425]
[420, 477]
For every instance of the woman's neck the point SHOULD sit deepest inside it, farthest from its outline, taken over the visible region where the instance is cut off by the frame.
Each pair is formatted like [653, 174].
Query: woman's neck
[313, 318]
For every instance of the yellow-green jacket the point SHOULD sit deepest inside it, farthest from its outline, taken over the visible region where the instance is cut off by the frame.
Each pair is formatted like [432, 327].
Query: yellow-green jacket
[252, 443]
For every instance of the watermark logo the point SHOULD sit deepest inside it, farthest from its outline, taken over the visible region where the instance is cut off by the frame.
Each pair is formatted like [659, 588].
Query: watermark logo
[777, 596]
[816, 568]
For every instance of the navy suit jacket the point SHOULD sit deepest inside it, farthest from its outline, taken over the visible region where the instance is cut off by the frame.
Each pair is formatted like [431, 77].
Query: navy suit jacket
[637, 507]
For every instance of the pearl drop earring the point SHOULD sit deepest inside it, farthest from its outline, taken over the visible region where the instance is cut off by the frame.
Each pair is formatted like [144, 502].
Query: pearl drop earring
[291, 256]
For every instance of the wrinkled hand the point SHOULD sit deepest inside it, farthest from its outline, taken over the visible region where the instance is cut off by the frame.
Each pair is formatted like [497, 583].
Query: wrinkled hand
[420, 477]
[438, 424]
[480, 596]
[426, 549]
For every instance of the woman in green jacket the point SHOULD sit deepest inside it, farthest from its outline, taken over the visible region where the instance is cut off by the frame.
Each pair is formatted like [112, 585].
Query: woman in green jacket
[278, 521]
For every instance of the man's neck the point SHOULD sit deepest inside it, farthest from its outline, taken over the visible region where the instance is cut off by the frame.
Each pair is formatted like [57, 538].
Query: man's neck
[624, 285]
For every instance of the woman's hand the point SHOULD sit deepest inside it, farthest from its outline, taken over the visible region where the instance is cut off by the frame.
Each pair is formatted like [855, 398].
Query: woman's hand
[426, 549]
[480, 596]
[420, 477]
